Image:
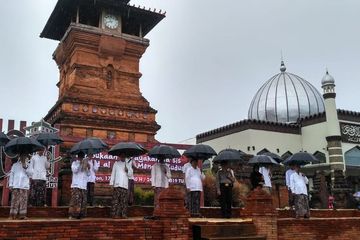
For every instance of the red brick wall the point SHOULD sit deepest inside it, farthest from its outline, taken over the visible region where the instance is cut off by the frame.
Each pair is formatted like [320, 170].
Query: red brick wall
[322, 213]
[84, 229]
[92, 212]
[333, 228]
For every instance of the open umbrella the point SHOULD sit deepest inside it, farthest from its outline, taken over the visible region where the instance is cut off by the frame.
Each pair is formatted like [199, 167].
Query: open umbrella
[262, 159]
[49, 139]
[130, 149]
[273, 156]
[89, 146]
[200, 151]
[228, 155]
[163, 152]
[98, 141]
[23, 145]
[301, 158]
[4, 139]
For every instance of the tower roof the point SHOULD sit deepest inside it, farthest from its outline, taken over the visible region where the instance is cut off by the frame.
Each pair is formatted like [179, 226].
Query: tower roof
[285, 97]
[65, 11]
[327, 79]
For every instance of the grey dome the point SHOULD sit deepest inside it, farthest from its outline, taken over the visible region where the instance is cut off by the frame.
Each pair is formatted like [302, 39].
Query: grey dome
[327, 79]
[284, 98]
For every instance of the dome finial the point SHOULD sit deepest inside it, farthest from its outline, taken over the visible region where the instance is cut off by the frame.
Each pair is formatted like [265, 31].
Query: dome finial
[282, 66]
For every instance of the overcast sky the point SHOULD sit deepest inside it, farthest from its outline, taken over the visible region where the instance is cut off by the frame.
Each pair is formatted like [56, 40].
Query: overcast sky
[206, 59]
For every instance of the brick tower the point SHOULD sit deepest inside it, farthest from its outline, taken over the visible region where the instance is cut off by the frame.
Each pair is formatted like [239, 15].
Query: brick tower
[101, 44]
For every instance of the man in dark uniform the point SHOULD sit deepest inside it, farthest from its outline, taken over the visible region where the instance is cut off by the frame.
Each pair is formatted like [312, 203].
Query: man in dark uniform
[224, 183]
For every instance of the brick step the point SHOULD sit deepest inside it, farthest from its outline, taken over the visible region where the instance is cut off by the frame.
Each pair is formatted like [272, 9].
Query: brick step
[257, 237]
[221, 230]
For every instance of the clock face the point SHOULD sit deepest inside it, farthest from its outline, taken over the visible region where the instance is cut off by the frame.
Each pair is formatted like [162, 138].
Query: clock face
[111, 21]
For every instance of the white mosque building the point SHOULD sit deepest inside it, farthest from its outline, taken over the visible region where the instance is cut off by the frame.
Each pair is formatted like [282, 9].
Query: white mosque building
[288, 115]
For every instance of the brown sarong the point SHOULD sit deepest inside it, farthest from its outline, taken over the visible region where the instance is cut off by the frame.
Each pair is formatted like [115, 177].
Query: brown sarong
[77, 207]
[119, 202]
[37, 193]
[19, 201]
[301, 202]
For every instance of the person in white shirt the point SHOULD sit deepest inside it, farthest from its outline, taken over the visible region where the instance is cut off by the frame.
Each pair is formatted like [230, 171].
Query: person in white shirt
[194, 185]
[131, 185]
[184, 169]
[40, 165]
[119, 180]
[266, 172]
[80, 168]
[288, 174]
[19, 184]
[160, 176]
[298, 182]
[94, 167]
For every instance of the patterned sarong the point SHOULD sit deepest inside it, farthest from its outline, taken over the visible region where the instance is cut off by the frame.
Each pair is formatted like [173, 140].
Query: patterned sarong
[78, 201]
[194, 203]
[19, 201]
[38, 193]
[301, 205]
[119, 202]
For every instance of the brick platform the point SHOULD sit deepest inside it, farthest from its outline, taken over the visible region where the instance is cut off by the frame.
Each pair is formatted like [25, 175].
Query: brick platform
[172, 222]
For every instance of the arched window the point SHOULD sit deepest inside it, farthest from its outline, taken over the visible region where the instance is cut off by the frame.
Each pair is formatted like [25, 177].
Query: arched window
[352, 157]
[320, 156]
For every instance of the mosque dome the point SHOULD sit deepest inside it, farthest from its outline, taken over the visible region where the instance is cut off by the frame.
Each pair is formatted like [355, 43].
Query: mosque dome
[285, 97]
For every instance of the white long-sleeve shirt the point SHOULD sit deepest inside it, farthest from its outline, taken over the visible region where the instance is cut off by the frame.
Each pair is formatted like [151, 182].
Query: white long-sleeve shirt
[119, 177]
[79, 177]
[288, 174]
[193, 179]
[298, 183]
[130, 164]
[186, 167]
[39, 164]
[94, 167]
[158, 176]
[20, 177]
[266, 175]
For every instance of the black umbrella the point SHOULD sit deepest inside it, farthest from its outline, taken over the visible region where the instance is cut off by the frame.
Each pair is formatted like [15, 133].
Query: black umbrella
[273, 156]
[89, 146]
[228, 155]
[200, 151]
[49, 139]
[301, 158]
[98, 141]
[130, 149]
[23, 145]
[4, 139]
[262, 159]
[163, 152]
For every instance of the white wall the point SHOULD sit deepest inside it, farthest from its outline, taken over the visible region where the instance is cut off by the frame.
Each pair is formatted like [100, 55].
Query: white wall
[260, 139]
[314, 139]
